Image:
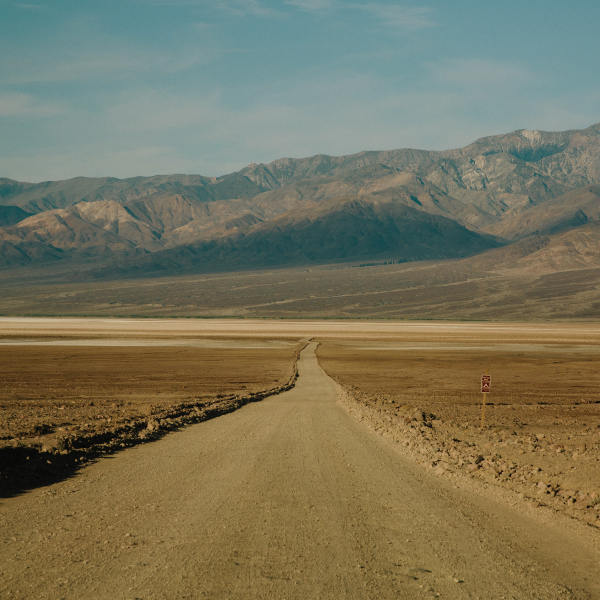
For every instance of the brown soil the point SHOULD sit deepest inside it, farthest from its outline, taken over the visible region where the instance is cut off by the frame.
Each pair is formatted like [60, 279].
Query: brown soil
[287, 498]
[542, 420]
[464, 290]
[43, 388]
[65, 404]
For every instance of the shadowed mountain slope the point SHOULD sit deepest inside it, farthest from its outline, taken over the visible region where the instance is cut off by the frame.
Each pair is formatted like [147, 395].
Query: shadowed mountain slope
[403, 204]
[11, 215]
[333, 230]
[573, 249]
[572, 209]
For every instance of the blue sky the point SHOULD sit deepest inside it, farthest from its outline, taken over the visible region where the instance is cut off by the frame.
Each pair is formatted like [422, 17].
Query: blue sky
[141, 87]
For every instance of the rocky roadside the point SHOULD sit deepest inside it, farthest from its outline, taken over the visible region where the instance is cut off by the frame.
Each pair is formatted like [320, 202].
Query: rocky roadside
[31, 462]
[501, 458]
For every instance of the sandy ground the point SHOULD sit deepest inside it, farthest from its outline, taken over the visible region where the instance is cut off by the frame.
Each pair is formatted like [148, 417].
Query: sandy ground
[301, 500]
[541, 434]
[467, 290]
[403, 332]
[286, 498]
[52, 385]
[65, 401]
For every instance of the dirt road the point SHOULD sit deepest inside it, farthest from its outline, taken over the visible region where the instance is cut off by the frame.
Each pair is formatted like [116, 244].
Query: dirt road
[286, 498]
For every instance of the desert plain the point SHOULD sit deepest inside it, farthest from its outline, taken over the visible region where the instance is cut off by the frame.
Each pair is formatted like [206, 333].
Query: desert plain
[414, 385]
[61, 376]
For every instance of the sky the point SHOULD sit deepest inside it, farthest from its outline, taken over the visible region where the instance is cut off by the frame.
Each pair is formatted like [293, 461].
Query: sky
[124, 88]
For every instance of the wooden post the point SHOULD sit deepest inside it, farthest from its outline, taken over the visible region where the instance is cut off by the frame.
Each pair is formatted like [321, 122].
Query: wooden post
[483, 404]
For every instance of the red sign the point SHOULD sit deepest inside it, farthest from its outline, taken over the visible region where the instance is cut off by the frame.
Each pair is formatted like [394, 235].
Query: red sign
[486, 384]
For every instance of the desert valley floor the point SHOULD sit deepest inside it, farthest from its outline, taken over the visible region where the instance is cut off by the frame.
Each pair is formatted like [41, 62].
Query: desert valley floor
[346, 459]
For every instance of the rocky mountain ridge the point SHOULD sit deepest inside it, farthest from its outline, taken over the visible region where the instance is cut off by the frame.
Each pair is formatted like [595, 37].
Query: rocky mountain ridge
[495, 191]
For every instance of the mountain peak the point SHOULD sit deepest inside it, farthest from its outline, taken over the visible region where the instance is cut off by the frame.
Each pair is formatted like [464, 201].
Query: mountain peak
[430, 204]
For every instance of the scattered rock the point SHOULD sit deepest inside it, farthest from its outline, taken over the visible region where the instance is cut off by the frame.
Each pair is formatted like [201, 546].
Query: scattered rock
[97, 439]
[428, 439]
[54, 445]
[419, 416]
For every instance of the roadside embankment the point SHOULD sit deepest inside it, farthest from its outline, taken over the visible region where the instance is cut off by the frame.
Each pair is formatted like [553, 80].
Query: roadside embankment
[533, 470]
[32, 461]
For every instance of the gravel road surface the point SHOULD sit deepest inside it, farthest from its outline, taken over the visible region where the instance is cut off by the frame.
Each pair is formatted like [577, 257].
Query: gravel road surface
[286, 498]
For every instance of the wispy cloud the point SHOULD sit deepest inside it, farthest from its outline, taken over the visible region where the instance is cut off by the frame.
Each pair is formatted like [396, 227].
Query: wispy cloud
[98, 63]
[240, 8]
[202, 26]
[96, 160]
[174, 2]
[479, 73]
[148, 130]
[26, 6]
[17, 104]
[316, 6]
[244, 8]
[398, 16]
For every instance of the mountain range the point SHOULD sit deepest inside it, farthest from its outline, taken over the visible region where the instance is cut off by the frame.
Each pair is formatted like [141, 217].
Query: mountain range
[528, 198]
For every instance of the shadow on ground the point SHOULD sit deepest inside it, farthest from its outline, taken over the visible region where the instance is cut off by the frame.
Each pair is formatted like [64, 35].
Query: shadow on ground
[23, 469]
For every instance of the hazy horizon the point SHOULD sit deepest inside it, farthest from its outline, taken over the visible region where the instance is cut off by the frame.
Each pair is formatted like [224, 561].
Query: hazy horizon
[143, 87]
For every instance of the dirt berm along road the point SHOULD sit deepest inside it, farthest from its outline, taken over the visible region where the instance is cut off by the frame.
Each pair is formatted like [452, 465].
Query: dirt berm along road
[286, 498]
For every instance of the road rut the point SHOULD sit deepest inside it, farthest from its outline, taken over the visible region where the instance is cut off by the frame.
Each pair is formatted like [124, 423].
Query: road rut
[286, 498]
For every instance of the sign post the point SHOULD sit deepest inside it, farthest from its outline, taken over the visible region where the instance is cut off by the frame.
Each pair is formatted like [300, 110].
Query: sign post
[486, 385]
